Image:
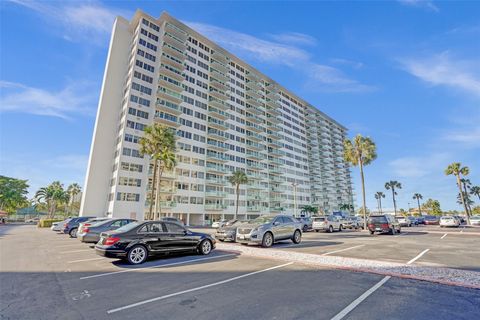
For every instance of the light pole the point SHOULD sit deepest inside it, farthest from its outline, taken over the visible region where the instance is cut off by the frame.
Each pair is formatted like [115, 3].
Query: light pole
[294, 185]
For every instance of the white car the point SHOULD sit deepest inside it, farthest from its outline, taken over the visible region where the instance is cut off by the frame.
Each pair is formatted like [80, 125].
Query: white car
[326, 223]
[475, 220]
[404, 221]
[219, 224]
[449, 222]
[59, 226]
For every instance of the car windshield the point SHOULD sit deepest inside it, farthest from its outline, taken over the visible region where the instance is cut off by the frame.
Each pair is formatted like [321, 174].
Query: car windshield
[411, 218]
[99, 223]
[263, 220]
[319, 219]
[379, 219]
[231, 222]
[128, 227]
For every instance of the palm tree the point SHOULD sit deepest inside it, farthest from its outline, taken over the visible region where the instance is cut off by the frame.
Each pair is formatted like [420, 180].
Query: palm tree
[236, 179]
[467, 185]
[361, 151]
[392, 185]
[379, 195]
[309, 209]
[167, 162]
[53, 195]
[346, 207]
[457, 170]
[418, 196]
[475, 191]
[72, 191]
[159, 144]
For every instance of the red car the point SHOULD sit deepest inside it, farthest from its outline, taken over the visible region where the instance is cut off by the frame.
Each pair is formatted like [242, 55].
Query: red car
[432, 220]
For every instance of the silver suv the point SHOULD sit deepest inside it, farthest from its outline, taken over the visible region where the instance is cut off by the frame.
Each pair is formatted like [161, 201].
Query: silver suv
[267, 229]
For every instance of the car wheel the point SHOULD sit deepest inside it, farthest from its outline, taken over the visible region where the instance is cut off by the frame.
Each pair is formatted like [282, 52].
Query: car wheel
[316, 230]
[330, 229]
[267, 240]
[297, 237]
[138, 254]
[340, 228]
[399, 230]
[205, 247]
[73, 233]
[372, 232]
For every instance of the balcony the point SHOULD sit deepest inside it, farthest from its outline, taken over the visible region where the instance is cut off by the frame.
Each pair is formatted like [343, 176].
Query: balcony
[217, 65]
[217, 103]
[254, 165]
[272, 111]
[254, 109]
[274, 120]
[253, 85]
[254, 208]
[273, 95]
[175, 63]
[253, 76]
[216, 134]
[252, 185]
[253, 101]
[219, 56]
[255, 196]
[276, 153]
[275, 170]
[254, 127]
[166, 118]
[168, 94]
[215, 207]
[220, 76]
[277, 209]
[254, 145]
[216, 169]
[167, 204]
[277, 189]
[273, 104]
[168, 106]
[275, 144]
[176, 31]
[254, 118]
[255, 155]
[219, 157]
[254, 136]
[217, 113]
[219, 146]
[221, 86]
[276, 199]
[219, 124]
[216, 181]
[215, 194]
[277, 179]
[217, 94]
[171, 84]
[274, 135]
[171, 72]
[254, 176]
[274, 127]
[253, 93]
[173, 51]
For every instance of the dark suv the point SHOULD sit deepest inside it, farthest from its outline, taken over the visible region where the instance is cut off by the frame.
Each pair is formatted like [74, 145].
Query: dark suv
[71, 227]
[383, 224]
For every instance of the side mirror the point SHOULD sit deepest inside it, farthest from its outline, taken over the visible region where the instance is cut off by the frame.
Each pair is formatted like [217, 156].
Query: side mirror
[276, 223]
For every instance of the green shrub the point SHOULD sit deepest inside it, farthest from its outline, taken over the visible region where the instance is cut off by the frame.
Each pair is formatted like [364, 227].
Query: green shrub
[47, 223]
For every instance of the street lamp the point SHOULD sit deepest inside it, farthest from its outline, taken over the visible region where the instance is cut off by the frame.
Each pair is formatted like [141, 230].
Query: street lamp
[294, 185]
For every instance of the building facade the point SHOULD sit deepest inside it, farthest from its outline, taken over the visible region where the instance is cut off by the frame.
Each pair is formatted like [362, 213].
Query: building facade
[227, 116]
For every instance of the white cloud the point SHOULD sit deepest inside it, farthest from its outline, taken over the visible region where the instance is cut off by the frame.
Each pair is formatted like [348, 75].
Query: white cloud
[75, 98]
[425, 4]
[78, 22]
[468, 137]
[443, 70]
[319, 76]
[294, 38]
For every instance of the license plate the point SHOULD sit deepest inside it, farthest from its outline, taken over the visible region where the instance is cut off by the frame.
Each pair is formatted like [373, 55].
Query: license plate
[378, 229]
[241, 237]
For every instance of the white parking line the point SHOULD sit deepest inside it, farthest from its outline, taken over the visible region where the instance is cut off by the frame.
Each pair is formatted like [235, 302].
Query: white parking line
[75, 251]
[357, 301]
[158, 266]
[444, 235]
[92, 259]
[196, 289]
[327, 253]
[418, 257]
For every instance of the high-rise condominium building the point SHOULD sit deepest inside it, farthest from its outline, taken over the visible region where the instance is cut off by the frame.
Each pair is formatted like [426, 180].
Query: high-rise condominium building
[227, 116]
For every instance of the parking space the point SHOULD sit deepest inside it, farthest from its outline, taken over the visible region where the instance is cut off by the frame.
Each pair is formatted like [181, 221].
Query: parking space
[65, 278]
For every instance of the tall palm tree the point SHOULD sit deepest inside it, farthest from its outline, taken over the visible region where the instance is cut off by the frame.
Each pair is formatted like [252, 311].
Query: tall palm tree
[360, 151]
[72, 191]
[236, 179]
[392, 185]
[466, 188]
[379, 195]
[458, 171]
[156, 143]
[167, 162]
[53, 195]
[475, 191]
[418, 196]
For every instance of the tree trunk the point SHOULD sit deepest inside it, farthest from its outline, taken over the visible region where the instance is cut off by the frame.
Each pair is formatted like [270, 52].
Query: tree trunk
[238, 197]
[152, 189]
[459, 183]
[157, 193]
[466, 200]
[364, 198]
[394, 202]
[380, 200]
[419, 209]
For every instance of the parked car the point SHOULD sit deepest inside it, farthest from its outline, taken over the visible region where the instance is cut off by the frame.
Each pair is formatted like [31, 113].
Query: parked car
[91, 233]
[33, 220]
[89, 222]
[306, 223]
[71, 227]
[475, 220]
[59, 226]
[359, 220]
[229, 231]
[266, 230]
[413, 220]
[449, 221]
[461, 219]
[421, 220]
[327, 223]
[172, 219]
[137, 241]
[429, 220]
[219, 224]
[384, 223]
[350, 222]
[404, 221]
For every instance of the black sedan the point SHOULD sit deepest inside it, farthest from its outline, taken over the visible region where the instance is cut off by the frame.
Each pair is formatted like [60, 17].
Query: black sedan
[137, 241]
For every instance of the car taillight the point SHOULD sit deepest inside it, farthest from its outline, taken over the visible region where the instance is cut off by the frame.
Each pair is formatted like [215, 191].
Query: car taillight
[66, 225]
[85, 229]
[371, 225]
[112, 240]
[384, 225]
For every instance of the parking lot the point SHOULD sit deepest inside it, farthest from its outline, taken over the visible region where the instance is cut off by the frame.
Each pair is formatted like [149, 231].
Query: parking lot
[46, 275]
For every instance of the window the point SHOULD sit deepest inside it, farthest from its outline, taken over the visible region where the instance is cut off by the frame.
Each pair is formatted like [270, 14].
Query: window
[174, 228]
[156, 227]
[144, 229]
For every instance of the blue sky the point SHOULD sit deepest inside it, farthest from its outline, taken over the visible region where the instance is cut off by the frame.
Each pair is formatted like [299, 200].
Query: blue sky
[406, 73]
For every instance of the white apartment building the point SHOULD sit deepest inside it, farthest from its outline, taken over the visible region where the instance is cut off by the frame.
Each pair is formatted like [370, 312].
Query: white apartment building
[227, 116]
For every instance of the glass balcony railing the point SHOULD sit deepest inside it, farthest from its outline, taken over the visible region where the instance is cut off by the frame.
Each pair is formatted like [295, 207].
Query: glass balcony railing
[215, 207]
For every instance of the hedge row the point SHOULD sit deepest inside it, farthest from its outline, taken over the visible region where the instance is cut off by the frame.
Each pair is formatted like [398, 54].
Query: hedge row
[47, 223]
